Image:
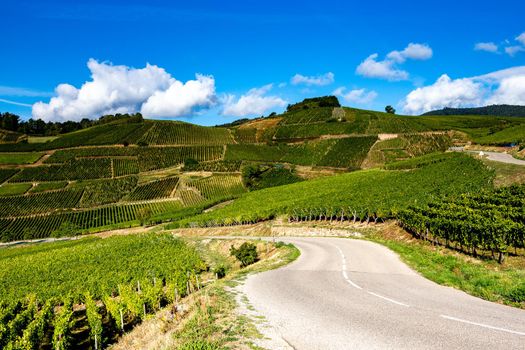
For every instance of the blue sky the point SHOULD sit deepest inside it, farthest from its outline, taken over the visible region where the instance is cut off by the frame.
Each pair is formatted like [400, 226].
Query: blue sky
[243, 46]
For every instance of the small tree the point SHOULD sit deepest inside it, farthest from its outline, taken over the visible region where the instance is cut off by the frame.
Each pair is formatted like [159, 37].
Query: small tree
[246, 253]
[66, 229]
[390, 109]
[143, 215]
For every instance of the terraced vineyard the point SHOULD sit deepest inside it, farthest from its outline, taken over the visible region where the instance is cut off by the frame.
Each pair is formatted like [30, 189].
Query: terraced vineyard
[218, 187]
[39, 202]
[372, 194]
[178, 133]
[79, 169]
[41, 226]
[154, 190]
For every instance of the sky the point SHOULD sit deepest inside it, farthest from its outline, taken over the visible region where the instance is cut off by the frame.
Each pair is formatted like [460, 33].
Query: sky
[212, 62]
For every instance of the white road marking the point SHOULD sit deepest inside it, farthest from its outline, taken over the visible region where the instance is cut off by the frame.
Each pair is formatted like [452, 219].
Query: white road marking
[345, 275]
[388, 299]
[482, 325]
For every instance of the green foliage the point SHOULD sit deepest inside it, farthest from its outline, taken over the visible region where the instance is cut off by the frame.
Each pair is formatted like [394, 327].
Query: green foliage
[307, 103]
[6, 174]
[78, 169]
[494, 110]
[19, 158]
[389, 109]
[219, 187]
[94, 265]
[62, 326]
[345, 152]
[487, 221]
[259, 176]
[221, 166]
[105, 191]
[371, 193]
[114, 216]
[66, 229]
[48, 186]
[94, 320]
[155, 189]
[14, 189]
[246, 253]
[39, 202]
[179, 133]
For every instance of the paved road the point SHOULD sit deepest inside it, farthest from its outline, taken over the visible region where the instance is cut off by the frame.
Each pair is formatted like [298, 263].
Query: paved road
[355, 294]
[495, 156]
[504, 158]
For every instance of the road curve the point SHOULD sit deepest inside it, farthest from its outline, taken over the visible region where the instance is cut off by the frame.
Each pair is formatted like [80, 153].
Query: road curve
[355, 294]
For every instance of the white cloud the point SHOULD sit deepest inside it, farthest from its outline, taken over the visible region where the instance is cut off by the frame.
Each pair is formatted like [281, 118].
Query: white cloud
[319, 80]
[181, 98]
[501, 87]
[254, 103]
[412, 51]
[488, 47]
[371, 68]
[513, 50]
[510, 91]
[121, 89]
[361, 96]
[445, 92]
[521, 38]
[387, 69]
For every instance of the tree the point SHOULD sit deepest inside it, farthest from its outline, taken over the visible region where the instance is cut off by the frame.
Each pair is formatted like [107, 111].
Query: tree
[246, 253]
[390, 109]
[143, 215]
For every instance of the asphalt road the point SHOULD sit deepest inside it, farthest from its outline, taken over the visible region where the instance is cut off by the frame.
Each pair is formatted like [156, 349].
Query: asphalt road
[355, 294]
[504, 158]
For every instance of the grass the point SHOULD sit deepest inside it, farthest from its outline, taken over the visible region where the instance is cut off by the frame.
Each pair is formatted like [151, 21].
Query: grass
[19, 158]
[214, 322]
[14, 189]
[482, 278]
[48, 186]
[506, 174]
[41, 139]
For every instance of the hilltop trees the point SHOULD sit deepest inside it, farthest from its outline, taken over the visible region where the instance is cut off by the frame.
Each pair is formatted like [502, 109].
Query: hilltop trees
[390, 109]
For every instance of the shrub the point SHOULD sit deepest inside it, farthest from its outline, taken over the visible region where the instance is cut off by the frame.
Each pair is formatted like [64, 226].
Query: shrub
[220, 271]
[246, 253]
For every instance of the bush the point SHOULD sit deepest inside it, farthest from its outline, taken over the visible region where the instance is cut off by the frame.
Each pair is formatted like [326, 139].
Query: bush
[220, 271]
[517, 294]
[142, 144]
[246, 253]
[66, 229]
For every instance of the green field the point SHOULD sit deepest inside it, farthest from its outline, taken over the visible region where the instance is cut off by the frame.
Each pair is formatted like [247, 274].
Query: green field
[14, 189]
[368, 194]
[119, 280]
[19, 158]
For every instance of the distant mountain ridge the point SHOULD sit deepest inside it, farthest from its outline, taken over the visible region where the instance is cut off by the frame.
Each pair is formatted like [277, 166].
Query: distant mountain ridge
[493, 110]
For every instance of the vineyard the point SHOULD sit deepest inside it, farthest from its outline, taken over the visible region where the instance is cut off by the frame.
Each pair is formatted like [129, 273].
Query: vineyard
[345, 152]
[105, 191]
[119, 281]
[79, 169]
[219, 187]
[372, 194]
[490, 223]
[179, 133]
[39, 202]
[154, 190]
[221, 166]
[41, 226]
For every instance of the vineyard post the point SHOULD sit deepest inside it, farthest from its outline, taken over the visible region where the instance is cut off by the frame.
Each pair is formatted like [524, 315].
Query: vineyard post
[121, 320]
[96, 344]
[198, 284]
[144, 308]
[342, 214]
[138, 286]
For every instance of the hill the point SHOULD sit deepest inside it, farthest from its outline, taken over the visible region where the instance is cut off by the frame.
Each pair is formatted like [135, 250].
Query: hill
[126, 171]
[494, 110]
